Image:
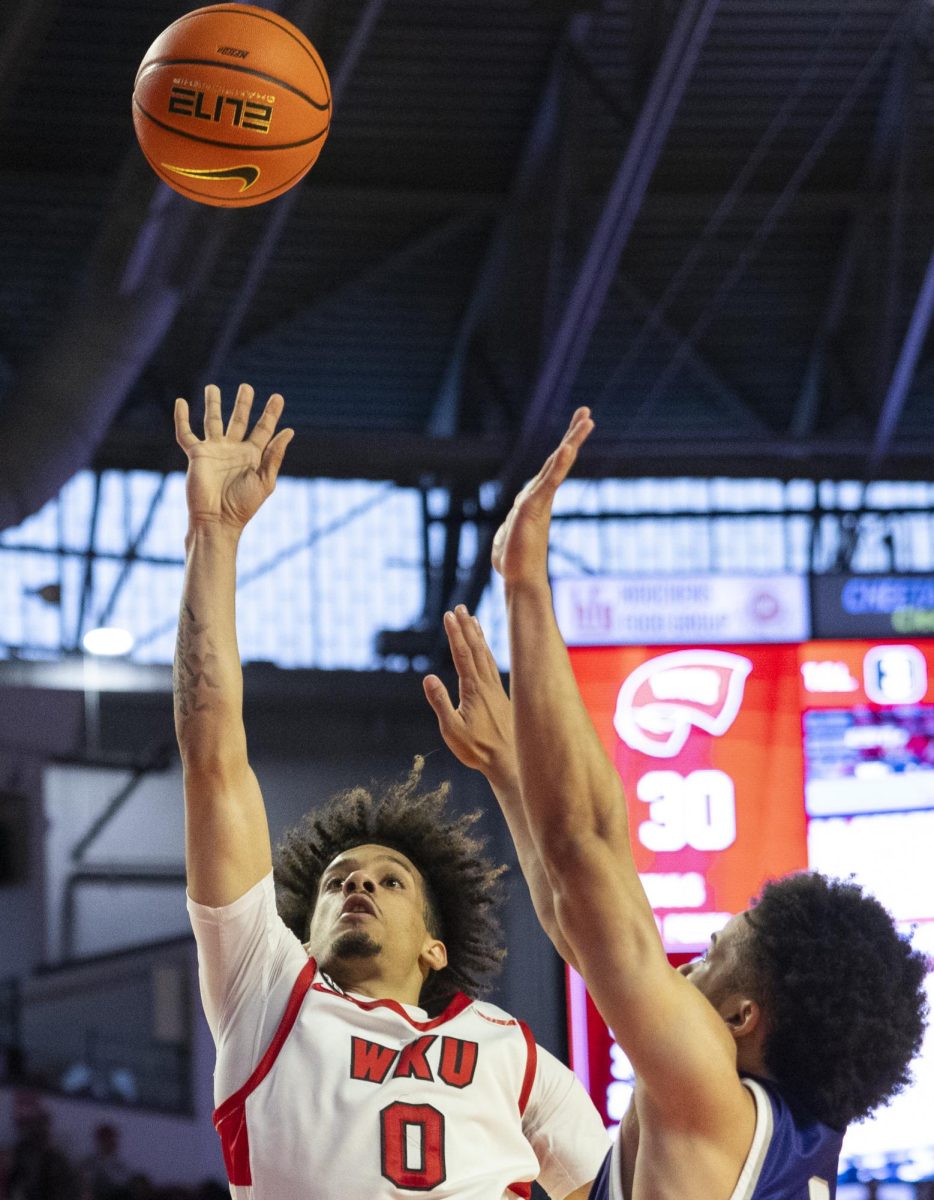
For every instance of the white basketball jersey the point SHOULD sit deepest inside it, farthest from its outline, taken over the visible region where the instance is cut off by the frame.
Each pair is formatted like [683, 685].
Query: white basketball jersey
[356, 1100]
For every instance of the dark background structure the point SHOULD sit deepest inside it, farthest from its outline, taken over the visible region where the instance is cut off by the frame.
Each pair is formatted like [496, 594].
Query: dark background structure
[711, 220]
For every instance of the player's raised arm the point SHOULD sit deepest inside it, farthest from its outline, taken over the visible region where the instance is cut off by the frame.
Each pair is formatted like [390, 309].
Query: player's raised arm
[574, 804]
[479, 732]
[230, 474]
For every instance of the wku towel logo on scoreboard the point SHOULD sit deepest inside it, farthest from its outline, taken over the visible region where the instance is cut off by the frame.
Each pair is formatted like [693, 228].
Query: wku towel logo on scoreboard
[665, 697]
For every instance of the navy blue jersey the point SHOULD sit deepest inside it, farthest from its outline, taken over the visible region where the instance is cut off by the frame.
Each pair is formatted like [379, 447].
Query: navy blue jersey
[789, 1159]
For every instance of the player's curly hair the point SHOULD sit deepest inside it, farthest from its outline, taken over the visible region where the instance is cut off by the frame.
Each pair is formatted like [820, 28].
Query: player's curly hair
[462, 886]
[843, 992]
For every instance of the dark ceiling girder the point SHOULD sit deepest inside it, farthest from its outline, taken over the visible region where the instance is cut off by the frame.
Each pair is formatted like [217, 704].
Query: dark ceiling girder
[411, 459]
[726, 205]
[729, 398]
[904, 370]
[421, 245]
[551, 389]
[538, 143]
[778, 210]
[446, 417]
[280, 212]
[854, 244]
[886, 332]
[61, 405]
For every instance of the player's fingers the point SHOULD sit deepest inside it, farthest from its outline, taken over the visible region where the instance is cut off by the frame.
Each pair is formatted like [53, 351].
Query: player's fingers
[273, 456]
[183, 433]
[560, 462]
[556, 466]
[265, 427]
[460, 650]
[240, 417]
[213, 422]
[437, 696]
[475, 642]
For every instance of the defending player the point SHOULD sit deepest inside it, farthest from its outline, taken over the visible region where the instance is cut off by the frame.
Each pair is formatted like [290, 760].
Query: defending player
[803, 1014]
[352, 1065]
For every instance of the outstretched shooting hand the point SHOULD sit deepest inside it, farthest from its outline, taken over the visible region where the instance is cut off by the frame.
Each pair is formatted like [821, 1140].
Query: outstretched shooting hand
[230, 474]
[479, 731]
[520, 548]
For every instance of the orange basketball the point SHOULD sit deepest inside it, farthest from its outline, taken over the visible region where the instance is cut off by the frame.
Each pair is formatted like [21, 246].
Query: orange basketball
[231, 105]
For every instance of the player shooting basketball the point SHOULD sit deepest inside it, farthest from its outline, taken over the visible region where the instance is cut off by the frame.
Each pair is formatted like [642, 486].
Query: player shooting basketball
[350, 1061]
[804, 1013]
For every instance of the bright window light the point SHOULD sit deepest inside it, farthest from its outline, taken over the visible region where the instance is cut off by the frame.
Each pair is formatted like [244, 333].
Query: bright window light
[108, 640]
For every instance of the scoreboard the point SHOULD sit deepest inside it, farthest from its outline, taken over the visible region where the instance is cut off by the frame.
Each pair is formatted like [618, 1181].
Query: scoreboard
[744, 762]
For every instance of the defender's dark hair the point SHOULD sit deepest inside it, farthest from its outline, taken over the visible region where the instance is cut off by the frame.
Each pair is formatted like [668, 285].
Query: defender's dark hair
[462, 886]
[843, 992]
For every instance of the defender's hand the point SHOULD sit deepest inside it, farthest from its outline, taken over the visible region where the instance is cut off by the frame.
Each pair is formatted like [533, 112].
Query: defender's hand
[520, 548]
[479, 731]
[230, 474]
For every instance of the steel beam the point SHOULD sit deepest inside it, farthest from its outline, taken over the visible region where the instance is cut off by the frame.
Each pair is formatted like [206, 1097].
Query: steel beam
[904, 370]
[444, 419]
[724, 208]
[282, 210]
[778, 209]
[885, 138]
[729, 398]
[551, 389]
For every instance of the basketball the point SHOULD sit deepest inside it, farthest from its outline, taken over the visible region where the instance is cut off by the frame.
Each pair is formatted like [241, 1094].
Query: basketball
[231, 105]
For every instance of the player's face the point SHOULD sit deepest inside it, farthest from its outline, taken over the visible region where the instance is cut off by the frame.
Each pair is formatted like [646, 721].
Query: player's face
[371, 904]
[715, 973]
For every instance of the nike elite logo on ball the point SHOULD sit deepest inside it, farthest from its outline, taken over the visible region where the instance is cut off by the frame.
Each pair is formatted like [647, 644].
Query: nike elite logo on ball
[248, 175]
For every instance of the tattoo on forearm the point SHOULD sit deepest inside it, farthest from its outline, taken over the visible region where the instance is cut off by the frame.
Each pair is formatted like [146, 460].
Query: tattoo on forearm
[194, 676]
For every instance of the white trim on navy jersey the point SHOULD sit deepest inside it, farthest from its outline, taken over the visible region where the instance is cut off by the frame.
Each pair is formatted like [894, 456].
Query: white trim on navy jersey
[755, 1159]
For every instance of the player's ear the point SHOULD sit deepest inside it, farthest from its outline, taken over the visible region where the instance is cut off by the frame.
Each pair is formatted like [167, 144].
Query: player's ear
[434, 954]
[742, 1015]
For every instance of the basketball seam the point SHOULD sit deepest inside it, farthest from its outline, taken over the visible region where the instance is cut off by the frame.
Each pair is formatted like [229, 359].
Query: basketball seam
[193, 137]
[312, 53]
[225, 66]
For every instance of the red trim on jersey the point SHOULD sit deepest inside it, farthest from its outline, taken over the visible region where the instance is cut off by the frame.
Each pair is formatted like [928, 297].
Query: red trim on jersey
[522, 1190]
[230, 1116]
[457, 1005]
[531, 1063]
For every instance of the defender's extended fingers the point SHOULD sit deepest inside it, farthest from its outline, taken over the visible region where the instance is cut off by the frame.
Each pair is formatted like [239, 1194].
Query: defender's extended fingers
[557, 465]
[437, 696]
[183, 433]
[213, 421]
[240, 417]
[460, 650]
[472, 632]
[265, 427]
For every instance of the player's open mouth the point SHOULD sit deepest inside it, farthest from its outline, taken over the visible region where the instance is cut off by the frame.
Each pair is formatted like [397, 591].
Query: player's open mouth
[356, 906]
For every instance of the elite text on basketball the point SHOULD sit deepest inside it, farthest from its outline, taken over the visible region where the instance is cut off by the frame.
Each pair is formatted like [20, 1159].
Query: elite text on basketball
[238, 112]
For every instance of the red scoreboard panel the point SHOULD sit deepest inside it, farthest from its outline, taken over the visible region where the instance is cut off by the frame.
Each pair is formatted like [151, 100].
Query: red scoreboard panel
[745, 762]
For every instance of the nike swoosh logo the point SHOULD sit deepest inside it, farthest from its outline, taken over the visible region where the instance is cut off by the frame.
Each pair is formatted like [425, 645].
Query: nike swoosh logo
[248, 175]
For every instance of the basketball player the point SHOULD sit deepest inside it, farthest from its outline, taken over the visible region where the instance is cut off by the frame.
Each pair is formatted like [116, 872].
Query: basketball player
[802, 1016]
[350, 1063]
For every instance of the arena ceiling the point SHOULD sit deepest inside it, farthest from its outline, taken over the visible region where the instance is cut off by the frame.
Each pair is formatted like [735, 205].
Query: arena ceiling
[711, 220]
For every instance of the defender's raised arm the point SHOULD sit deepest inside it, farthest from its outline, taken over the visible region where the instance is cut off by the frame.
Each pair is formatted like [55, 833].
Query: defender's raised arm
[577, 816]
[229, 476]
